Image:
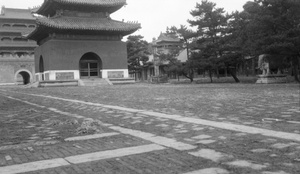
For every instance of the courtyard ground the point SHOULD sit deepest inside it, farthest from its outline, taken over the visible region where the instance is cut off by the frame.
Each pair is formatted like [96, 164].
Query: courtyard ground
[151, 128]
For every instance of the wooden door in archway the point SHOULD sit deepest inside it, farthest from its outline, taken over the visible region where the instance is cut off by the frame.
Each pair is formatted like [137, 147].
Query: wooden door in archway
[41, 67]
[89, 66]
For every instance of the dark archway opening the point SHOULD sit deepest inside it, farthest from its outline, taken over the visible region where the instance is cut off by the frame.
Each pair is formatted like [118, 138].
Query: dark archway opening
[41, 67]
[23, 78]
[90, 65]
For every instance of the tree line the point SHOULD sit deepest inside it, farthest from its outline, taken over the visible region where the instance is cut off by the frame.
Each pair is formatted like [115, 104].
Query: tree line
[224, 40]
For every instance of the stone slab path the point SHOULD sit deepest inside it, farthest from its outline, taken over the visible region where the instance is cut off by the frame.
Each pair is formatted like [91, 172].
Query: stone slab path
[141, 141]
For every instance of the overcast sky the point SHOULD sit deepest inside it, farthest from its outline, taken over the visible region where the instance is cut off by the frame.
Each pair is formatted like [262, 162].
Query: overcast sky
[154, 15]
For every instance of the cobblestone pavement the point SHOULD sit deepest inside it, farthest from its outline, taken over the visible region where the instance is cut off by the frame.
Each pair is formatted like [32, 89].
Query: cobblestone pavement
[37, 137]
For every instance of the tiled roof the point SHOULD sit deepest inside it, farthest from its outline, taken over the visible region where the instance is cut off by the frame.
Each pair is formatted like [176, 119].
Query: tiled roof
[98, 24]
[85, 25]
[106, 3]
[49, 7]
[14, 13]
[167, 38]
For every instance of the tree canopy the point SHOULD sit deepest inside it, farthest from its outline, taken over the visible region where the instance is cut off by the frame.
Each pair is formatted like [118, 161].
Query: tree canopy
[137, 51]
[223, 40]
[273, 28]
[212, 39]
[263, 27]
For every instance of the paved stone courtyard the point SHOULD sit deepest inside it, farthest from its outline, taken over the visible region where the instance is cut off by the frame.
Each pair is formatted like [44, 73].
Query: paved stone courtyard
[184, 129]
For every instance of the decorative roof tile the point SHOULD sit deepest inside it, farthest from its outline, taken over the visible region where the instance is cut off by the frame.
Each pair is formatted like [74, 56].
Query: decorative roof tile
[106, 3]
[167, 38]
[93, 26]
[98, 24]
[49, 7]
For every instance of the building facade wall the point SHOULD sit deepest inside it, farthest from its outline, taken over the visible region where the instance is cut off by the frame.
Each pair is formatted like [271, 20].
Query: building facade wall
[63, 56]
[10, 69]
[16, 52]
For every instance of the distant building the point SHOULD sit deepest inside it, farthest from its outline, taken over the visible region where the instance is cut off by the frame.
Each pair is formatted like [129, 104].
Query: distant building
[78, 40]
[16, 52]
[163, 44]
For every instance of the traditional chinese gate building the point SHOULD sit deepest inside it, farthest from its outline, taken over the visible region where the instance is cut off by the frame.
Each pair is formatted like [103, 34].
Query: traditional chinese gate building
[163, 44]
[77, 39]
[16, 52]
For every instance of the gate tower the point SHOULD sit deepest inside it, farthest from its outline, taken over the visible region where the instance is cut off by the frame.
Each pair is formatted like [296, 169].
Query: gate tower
[77, 39]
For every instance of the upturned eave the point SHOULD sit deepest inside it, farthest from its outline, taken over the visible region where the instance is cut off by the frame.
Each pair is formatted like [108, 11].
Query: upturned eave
[49, 7]
[81, 26]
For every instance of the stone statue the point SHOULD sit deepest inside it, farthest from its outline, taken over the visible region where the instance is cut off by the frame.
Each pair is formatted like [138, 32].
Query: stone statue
[270, 64]
[263, 64]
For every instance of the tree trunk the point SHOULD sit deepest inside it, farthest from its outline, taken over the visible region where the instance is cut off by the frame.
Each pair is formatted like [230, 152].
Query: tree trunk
[217, 71]
[210, 76]
[190, 78]
[135, 75]
[253, 67]
[142, 75]
[190, 75]
[233, 74]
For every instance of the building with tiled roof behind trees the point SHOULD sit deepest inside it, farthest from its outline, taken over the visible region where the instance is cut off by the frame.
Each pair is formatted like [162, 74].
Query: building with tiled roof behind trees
[16, 52]
[164, 43]
[77, 40]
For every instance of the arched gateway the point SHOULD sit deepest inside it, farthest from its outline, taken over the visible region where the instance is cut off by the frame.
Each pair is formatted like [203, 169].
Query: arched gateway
[90, 66]
[23, 77]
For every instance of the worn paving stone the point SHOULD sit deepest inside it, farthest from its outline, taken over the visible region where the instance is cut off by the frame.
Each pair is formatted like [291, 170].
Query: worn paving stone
[260, 150]
[241, 134]
[206, 141]
[88, 137]
[269, 140]
[278, 172]
[198, 128]
[211, 155]
[209, 171]
[273, 155]
[282, 145]
[201, 137]
[189, 139]
[247, 164]
[222, 137]
[33, 166]
[182, 131]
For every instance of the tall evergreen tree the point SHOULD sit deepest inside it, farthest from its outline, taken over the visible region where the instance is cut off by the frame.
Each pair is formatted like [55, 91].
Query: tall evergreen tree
[273, 28]
[186, 35]
[233, 49]
[138, 52]
[211, 23]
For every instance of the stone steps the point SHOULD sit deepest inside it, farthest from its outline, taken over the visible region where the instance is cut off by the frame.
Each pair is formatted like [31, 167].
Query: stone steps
[84, 82]
[58, 83]
[121, 81]
[93, 82]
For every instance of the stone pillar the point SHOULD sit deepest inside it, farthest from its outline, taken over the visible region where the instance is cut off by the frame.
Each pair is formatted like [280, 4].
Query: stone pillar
[156, 66]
